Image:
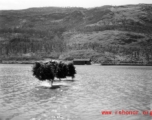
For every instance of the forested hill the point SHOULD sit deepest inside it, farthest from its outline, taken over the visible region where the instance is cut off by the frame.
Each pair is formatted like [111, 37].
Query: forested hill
[107, 33]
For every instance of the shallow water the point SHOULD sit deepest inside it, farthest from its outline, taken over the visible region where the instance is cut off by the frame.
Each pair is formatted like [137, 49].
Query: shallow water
[95, 88]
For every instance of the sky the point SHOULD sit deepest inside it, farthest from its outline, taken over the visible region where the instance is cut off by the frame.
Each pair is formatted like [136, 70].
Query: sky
[24, 4]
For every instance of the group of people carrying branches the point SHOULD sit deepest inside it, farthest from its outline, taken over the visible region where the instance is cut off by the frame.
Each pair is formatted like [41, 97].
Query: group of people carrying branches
[50, 70]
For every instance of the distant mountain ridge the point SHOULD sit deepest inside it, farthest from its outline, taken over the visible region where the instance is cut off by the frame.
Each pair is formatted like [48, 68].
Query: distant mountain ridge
[107, 33]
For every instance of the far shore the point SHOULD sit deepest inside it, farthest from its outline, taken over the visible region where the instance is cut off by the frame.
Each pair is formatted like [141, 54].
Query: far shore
[26, 61]
[107, 64]
[18, 62]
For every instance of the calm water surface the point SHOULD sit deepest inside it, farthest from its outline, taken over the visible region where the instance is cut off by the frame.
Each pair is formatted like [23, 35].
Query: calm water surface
[95, 88]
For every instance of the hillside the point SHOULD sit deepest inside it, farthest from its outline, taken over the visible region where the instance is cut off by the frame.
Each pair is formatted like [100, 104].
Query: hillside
[107, 33]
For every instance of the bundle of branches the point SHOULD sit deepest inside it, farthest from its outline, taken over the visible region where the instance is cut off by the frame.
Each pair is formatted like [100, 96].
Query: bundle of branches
[49, 70]
[44, 71]
[71, 70]
[62, 70]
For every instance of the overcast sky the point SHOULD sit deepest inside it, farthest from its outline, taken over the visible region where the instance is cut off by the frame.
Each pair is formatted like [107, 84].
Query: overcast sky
[23, 4]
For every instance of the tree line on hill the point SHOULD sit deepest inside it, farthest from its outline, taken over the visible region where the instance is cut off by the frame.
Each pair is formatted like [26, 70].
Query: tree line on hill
[41, 31]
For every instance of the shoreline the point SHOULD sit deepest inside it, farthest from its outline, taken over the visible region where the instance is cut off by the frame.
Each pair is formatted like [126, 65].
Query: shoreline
[32, 62]
[129, 64]
[99, 64]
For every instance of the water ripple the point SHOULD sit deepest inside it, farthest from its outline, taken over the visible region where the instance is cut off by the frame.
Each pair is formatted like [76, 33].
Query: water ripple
[94, 89]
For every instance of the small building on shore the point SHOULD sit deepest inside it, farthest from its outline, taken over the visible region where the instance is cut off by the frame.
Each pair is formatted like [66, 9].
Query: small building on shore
[82, 61]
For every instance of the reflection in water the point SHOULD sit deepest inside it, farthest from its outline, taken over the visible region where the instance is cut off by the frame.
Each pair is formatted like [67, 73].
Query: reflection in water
[95, 88]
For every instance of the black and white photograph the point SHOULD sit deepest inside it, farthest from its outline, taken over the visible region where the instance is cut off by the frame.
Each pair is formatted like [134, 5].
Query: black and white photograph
[75, 59]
